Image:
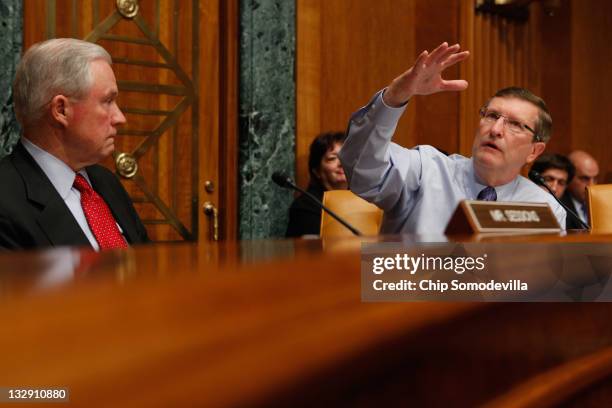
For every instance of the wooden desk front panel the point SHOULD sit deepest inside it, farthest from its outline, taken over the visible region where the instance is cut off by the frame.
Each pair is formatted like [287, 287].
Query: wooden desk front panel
[268, 322]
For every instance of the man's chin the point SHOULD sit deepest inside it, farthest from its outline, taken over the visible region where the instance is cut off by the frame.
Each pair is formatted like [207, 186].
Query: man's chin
[106, 152]
[487, 159]
[110, 146]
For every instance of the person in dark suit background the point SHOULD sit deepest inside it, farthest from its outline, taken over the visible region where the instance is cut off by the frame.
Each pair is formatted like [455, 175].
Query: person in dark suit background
[53, 191]
[326, 173]
[587, 171]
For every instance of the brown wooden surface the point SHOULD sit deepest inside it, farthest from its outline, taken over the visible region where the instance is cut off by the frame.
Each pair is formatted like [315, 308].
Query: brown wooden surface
[553, 387]
[202, 37]
[273, 323]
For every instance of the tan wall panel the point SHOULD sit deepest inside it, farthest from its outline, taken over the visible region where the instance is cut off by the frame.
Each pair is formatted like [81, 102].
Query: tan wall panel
[437, 116]
[591, 81]
[556, 37]
[503, 53]
[347, 51]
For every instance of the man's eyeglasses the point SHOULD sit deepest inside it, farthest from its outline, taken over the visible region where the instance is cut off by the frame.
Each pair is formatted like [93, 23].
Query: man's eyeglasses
[491, 117]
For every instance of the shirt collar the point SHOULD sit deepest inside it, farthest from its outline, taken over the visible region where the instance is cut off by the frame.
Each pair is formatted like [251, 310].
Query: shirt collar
[61, 176]
[578, 205]
[475, 186]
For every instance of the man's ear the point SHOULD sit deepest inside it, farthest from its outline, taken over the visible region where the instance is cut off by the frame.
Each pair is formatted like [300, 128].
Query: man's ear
[536, 150]
[59, 109]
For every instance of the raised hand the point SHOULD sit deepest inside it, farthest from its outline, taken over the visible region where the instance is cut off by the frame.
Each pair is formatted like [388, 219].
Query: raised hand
[425, 76]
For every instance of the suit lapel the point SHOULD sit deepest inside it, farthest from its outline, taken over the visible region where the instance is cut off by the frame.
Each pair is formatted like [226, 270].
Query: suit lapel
[109, 192]
[54, 218]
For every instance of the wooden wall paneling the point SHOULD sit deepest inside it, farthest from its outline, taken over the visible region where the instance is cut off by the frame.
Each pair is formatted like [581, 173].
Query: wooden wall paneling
[555, 68]
[344, 55]
[378, 45]
[34, 21]
[437, 116]
[308, 83]
[165, 189]
[509, 62]
[469, 33]
[228, 132]
[591, 82]
[534, 45]
[209, 109]
[491, 55]
[503, 53]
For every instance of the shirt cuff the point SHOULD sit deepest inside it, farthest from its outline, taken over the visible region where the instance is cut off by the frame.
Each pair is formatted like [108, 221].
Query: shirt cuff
[385, 115]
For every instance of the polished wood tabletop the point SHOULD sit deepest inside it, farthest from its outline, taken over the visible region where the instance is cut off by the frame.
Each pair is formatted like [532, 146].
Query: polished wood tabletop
[281, 322]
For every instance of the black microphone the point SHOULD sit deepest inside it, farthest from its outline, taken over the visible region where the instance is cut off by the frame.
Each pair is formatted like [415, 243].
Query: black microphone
[537, 178]
[286, 182]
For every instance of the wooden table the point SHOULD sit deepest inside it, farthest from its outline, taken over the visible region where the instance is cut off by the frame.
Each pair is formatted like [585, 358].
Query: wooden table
[278, 323]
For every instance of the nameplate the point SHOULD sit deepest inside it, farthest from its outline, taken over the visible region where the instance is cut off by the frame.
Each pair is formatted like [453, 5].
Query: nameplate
[475, 217]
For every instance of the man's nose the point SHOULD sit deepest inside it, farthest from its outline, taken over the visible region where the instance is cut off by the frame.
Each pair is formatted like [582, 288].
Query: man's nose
[554, 186]
[498, 127]
[118, 116]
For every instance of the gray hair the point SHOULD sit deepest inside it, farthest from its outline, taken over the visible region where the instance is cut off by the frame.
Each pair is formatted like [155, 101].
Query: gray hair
[49, 68]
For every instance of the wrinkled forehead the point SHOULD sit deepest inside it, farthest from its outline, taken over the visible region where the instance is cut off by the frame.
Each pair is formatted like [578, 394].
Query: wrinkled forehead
[515, 108]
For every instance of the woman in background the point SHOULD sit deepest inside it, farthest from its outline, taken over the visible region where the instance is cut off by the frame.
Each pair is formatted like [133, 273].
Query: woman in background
[326, 173]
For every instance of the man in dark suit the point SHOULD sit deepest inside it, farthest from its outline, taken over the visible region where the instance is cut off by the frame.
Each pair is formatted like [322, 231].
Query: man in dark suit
[53, 191]
[587, 171]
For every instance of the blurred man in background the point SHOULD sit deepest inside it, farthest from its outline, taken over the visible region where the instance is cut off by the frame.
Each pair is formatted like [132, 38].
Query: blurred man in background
[587, 171]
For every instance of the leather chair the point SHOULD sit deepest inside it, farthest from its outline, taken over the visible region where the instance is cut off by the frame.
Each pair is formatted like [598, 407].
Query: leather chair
[599, 201]
[362, 215]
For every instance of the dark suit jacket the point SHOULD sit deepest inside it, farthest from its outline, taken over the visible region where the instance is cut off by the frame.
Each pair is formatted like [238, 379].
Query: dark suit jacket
[33, 215]
[304, 215]
[570, 221]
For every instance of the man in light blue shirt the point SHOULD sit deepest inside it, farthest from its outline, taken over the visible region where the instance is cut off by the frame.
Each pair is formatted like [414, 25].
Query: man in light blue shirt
[420, 188]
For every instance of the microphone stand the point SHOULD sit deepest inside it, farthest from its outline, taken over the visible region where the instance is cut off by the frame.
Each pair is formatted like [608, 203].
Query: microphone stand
[540, 180]
[285, 182]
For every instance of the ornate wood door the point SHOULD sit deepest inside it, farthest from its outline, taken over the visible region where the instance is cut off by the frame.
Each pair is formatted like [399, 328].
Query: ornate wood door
[167, 57]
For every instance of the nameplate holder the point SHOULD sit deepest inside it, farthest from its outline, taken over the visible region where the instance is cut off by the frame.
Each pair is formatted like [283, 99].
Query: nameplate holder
[476, 217]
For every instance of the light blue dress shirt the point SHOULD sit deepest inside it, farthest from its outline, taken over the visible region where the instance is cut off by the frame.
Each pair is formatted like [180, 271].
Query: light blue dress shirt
[420, 188]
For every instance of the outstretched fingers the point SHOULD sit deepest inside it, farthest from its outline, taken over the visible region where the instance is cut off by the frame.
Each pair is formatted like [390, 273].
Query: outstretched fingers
[453, 85]
[454, 58]
[453, 49]
[436, 54]
[419, 64]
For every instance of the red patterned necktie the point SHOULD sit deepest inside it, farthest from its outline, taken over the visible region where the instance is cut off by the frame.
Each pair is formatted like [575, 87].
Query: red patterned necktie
[99, 216]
